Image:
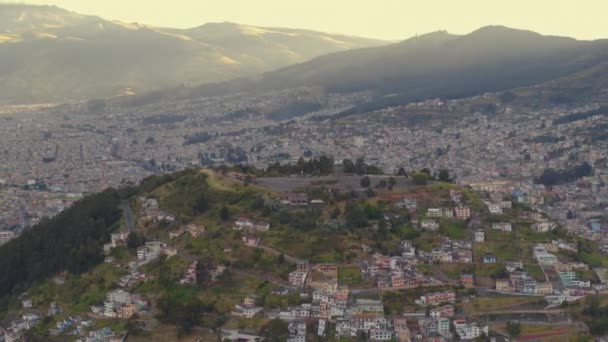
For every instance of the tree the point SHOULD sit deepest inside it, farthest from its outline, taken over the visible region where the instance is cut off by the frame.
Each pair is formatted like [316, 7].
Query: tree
[365, 182]
[420, 178]
[391, 183]
[382, 184]
[224, 214]
[513, 329]
[275, 331]
[135, 240]
[444, 175]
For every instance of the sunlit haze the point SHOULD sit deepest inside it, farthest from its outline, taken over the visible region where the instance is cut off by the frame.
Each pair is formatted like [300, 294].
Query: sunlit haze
[386, 19]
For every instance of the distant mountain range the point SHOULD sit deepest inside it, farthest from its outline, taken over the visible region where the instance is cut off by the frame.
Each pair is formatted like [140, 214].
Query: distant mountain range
[438, 64]
[51, 54]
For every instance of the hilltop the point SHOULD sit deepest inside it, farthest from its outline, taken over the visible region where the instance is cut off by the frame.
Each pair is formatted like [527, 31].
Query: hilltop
[222, 252]
[54, 55]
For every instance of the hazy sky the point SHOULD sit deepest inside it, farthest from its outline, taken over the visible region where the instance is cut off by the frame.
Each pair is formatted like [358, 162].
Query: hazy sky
[388, 19]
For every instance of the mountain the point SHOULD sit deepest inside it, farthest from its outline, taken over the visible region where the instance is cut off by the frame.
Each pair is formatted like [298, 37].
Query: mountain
[438, 64]
[51, 54]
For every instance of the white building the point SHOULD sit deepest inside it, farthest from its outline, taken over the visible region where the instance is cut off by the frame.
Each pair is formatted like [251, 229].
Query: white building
[480, 236]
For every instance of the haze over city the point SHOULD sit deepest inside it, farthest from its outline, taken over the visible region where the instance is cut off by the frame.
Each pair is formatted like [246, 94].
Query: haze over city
[383, 19]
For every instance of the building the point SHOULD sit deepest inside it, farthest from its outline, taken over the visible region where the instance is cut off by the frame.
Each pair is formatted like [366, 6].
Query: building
[480, 236]
[567, 277]
[434, 212]
[503, 226]
[467, 280]
[429, 225]
[488, 259]
[298, 278]
[294, 198]
[437, 298]
[494, 208]
[468, 331]
[543, 227]
[462, 212]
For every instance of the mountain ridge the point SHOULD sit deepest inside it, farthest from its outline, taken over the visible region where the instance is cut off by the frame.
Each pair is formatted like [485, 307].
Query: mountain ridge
[54, 55]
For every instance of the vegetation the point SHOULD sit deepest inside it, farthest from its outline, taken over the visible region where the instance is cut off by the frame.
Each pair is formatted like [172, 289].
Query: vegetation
[554, 177]
[359, 167]
[72, 241]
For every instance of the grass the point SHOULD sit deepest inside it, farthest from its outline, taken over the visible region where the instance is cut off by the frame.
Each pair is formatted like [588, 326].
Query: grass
[454, 229]
[564, 333]
[349, 275]
[453, 271]
[535, 272]
[427, 241]
[78, 293]
[504, 251]
[497, 304]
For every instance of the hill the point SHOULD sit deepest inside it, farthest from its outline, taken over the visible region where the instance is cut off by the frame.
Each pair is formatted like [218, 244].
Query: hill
[217, 250]
[51, 54]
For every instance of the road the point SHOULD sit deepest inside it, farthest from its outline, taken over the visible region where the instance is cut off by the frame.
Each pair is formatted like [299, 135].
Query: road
[128, 216]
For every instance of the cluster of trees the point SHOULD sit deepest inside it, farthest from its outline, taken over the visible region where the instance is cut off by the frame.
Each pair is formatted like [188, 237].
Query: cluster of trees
[514, 329]
[551, 177]
[316, 167]
[359, 167]
[580, 116]
[197, 138]
[358, 215]
[71, 241]
[423, 176]
[190, 196]
[183, 310]
[598, 323]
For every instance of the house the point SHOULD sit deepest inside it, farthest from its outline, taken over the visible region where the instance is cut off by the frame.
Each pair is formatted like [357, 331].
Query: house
[176, 234]
[251, 240]
[261, 226]
[402, 331]
[195, 231]
[488, 259]
[468, 331]
[480, 236]
[6, 236]
[436, 298]
[543, 227]
[503, 285]
[302, 266]
[503, 226]
[567, 277]
[235, 335]
[429, 225]
[467, 280]
[298, 278]
[455, 195]
[494, 208]
[434, 212]
[545, 288]
[243, 223]
[380, 335]
[448, 212]
[462, 213]
[293, 198]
